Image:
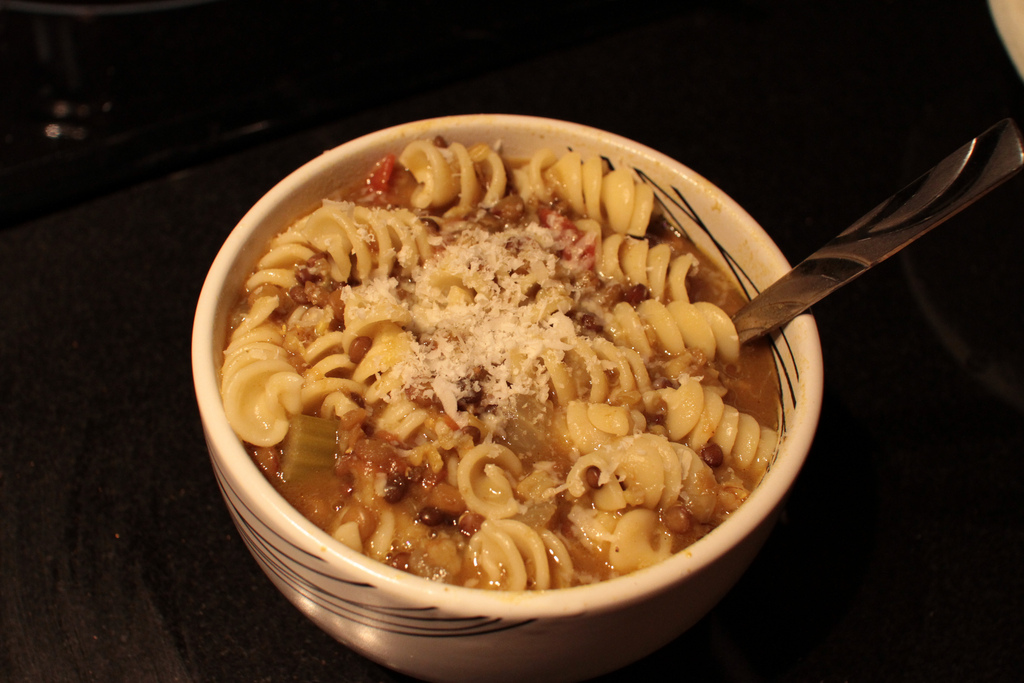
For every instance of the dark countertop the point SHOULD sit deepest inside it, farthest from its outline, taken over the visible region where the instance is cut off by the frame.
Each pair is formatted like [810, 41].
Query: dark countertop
[901, 552]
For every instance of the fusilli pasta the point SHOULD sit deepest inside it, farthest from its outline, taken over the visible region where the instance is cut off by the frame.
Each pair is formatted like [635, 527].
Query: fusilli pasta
[490, 372]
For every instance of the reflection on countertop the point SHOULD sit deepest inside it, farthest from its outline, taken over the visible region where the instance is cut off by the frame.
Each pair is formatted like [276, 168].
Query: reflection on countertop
[97, 95]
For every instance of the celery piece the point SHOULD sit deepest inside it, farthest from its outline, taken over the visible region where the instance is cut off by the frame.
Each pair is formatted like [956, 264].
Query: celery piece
[310, 446]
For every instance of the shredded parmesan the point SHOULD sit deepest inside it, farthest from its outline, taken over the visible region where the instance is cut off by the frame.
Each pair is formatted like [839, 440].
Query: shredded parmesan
[481, 312]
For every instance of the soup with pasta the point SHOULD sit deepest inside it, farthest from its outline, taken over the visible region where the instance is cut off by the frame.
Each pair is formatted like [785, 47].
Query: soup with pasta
[497, 373]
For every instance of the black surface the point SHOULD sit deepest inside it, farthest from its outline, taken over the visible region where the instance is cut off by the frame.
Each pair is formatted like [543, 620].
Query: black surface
[135, 88]
[900, 554]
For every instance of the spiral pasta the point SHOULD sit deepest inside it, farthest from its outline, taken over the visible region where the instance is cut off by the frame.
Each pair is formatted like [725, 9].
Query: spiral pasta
[472, 177]
[260, 388]
[632, 261]
[592, 425]
[278, 265]
[432, 171]
[614, 196]
[364, 242]
[696, 415]
[513, 556]
[643, 471]
[492, 373]
[628, 541]
[485, 476]
[639, 540]
[675, 328]
[576, 373]
[359, 241]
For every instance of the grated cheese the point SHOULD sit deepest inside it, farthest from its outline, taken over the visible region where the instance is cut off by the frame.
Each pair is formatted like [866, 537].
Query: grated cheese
[485, 345]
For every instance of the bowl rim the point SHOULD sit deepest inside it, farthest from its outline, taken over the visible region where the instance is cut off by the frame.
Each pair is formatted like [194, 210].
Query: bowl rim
[228, 453]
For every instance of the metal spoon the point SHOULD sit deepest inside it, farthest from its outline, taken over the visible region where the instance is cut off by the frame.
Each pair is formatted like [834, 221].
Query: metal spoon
[955, 183]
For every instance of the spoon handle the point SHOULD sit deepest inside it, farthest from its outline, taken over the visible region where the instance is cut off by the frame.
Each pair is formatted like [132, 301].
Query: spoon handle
[956, 182]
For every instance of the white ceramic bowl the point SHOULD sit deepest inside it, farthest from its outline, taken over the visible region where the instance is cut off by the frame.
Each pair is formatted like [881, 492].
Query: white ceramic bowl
[440, 632]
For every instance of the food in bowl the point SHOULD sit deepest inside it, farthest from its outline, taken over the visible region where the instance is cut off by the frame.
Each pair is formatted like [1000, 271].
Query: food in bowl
[439, 631]
[500, 373]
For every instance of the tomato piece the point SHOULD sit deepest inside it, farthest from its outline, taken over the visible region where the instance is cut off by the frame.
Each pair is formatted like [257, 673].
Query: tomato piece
[582, 253]
[380, 177]
[579, 250]
[552, 219]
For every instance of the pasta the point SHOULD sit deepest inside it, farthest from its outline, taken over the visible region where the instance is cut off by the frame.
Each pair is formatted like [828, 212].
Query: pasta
[512, 555]
[485, 479]
[447, 174]
[613, 196]
[697, 415]
[259, 386]
[498, 373]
